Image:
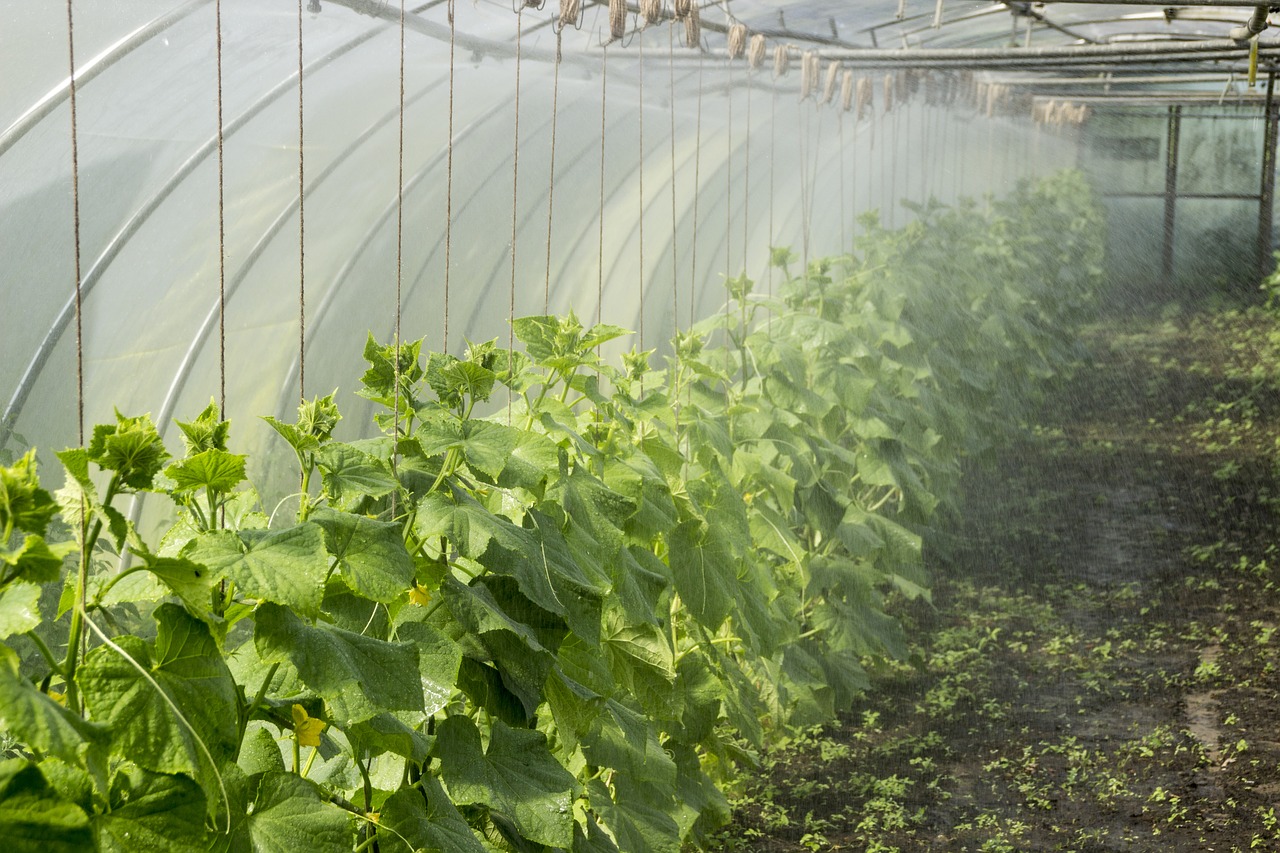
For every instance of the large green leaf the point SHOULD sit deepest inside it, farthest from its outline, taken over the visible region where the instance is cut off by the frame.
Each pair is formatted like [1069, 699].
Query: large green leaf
[286, 566]
[152, 812]
[358, 676]
[23, 504]
[131, 447]
[438, 661]
[34, 818]
[183, 672]
[627, 741]
[212, 469]
[424, 820]
[516, 777]
[705, 571]
[288, 814]
[512, 645]
[36, 560]
[349, 473]
[371, 554]
[600, 510]
[40, 723]
[638, 815]
[19, 608]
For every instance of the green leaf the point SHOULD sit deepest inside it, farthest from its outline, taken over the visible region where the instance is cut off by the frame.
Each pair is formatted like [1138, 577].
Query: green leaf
[206, 432]
[39, 722]
[212, 469]
[186, 664]
[705, 571]
[152, 812]
[349, 473]
[638, 815]
[23, 504]
[190, 581]
[36, 560]
[289, 814]
[388, 733]
[627, 741]
[34, 818]
[512, 645]
[183, 671]
[533, 459]
[516, 777]
[131, 447]
[379, 380]
[438, 661]
[299, 440]
[601, 511]
[19, 608]
[283, 566]
[359, 676]
[427, 820]
[371, 554]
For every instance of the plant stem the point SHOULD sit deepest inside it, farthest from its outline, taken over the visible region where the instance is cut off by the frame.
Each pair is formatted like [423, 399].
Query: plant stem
[76, 633]
[257, 699]
[45, 652]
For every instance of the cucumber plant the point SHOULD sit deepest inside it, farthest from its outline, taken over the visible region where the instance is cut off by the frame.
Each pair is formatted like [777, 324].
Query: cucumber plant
[557, 626]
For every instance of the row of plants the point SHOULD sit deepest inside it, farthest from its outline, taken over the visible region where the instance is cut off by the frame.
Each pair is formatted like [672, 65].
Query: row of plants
[558, 625]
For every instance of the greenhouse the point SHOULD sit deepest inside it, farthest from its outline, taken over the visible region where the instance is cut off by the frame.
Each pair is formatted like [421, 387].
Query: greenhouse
[593, 425]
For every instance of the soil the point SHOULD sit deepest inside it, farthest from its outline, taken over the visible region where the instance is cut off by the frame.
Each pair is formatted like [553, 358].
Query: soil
[1100, 666]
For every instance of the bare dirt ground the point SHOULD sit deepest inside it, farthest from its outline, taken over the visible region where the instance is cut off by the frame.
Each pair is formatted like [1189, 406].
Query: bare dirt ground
[1100, 669]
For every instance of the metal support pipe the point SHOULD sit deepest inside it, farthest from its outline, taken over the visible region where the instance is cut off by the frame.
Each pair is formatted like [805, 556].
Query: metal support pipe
[1266, 197]
[1170, 195]
[1256, 24]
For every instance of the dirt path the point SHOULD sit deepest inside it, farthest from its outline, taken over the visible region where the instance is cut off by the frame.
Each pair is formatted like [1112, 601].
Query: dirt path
[1101, 669]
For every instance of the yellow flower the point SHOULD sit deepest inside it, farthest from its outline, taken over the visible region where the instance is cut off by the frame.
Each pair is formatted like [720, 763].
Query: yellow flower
[419, 596]
[306, 729]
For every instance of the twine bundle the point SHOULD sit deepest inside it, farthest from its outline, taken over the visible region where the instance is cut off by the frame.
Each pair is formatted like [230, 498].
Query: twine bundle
[737, 40]
[846, 91]
[833, 74]
[682, 8]
[617, 19]
[781, 60]
[651, 11]
[808, 73]
[570, 12]
[864, 94]
[888, 92]
[692, 26]
[755, 53]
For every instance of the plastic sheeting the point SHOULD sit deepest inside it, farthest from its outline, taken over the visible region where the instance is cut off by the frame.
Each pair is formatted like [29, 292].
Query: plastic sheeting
[729, 156]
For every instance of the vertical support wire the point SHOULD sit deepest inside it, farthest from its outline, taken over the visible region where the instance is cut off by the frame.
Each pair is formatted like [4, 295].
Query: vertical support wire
[640, 164]
[75, 224]
[302, 230]
[395, 364]
[844, 221]
[728, 179]
[222, 228]
[773, 156]
[675, 262]
[551, 183]
[604, 91]
[448, 193]
[515, 193]
[746, 175]
[697, 191]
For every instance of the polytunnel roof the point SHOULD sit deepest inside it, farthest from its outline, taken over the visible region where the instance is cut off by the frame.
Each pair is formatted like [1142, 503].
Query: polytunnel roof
[540, 204]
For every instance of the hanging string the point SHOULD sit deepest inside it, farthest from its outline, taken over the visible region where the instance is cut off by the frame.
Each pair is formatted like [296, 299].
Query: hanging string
[697, 192]
[75, 224]
[844, 222]
[773, 156]
[604, 91]
[640, 330]
[222, 228]
[448, 192]
[803, 124]
[675, 264]
[728, 178]
[515, 192]
[746, 175]
[302, 231]
[551, 183]
[395, 365]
